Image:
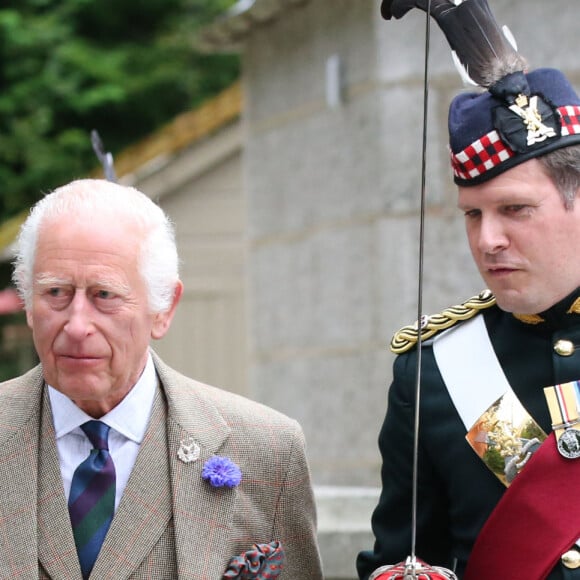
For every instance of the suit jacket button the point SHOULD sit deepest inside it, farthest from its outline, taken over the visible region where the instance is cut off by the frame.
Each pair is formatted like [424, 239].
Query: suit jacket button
[564, 347]
[571, 559]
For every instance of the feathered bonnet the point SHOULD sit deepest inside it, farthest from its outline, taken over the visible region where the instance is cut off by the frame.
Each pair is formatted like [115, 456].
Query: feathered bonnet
[520, 115]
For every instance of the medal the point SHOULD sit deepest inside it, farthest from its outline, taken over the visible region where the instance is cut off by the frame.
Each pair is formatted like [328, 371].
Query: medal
[569, 444]
[563, 405]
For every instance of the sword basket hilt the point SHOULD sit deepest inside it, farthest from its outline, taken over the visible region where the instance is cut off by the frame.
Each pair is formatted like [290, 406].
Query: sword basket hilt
[412, 569]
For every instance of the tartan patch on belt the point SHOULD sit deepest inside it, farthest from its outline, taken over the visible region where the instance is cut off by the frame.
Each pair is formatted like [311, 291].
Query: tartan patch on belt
[490, 151]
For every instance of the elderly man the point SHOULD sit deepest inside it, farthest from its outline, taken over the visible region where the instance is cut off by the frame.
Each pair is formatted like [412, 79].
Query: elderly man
[498, 460]
[113, 464]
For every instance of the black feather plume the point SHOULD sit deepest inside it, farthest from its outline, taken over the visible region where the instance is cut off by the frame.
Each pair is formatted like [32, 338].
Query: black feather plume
[398, 8]
[473, 35]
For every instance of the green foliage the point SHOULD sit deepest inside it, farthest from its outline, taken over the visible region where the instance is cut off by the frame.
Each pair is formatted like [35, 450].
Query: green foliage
[70, 66]
[532, 431]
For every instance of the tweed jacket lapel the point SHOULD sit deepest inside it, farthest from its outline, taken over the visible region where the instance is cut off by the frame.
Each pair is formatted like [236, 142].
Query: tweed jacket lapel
[202, 514]
[19, 425]
[56, 547]
[145, 508]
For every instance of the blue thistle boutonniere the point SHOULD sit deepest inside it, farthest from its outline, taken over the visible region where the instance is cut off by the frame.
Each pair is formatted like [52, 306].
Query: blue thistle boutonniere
[221, 472]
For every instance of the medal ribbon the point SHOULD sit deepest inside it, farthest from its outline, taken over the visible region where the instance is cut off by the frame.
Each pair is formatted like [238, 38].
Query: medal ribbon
[563, 406]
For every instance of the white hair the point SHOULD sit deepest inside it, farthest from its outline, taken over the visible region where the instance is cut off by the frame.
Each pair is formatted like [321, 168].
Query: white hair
[158, 261]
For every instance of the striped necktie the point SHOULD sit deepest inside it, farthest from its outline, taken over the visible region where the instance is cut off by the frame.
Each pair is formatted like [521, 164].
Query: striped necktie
[92, 496]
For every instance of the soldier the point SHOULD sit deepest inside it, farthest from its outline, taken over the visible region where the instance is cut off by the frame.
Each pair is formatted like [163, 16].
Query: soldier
[498, 452]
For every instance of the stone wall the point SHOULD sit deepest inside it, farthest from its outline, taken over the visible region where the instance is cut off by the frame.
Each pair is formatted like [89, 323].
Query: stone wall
[333, 194]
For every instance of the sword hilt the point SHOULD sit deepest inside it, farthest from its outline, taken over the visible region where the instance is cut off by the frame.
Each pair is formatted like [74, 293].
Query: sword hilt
[412, 569]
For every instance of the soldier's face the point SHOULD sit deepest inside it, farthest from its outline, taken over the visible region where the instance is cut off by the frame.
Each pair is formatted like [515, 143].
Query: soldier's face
[526, 244]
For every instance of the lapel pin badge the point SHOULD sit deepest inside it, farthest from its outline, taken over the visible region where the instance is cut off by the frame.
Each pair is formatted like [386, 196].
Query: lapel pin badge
[188, 450]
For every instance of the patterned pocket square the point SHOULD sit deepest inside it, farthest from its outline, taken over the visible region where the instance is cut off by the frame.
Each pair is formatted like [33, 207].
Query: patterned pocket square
[261, 562]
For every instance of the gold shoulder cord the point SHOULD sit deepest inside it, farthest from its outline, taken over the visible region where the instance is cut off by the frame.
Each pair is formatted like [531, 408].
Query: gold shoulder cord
[407, 337]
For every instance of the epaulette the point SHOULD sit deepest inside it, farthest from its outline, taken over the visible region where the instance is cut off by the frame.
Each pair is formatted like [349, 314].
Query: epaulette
[407, 337]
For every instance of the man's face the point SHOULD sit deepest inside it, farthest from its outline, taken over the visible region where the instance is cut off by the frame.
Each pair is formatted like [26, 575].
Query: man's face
[89, 314]
[525, 243]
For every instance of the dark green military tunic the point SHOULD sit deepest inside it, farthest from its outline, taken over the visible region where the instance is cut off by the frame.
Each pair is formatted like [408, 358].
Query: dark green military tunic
[456, 491]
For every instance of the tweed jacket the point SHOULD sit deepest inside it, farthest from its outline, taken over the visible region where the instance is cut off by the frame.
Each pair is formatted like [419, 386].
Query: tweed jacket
[170, 522]
[456, 490]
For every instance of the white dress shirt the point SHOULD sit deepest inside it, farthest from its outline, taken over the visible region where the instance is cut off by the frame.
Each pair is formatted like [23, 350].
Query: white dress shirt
[128, 422]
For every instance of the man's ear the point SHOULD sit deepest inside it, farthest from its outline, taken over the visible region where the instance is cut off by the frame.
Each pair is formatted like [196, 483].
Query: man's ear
[162, 320]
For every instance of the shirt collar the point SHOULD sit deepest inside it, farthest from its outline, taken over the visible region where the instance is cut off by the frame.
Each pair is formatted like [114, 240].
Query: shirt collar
[127, 418]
